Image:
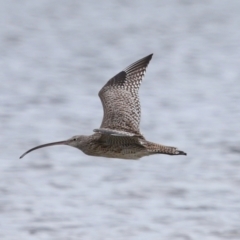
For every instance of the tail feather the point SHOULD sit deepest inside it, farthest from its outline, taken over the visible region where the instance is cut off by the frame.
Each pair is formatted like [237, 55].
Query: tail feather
[154, 148]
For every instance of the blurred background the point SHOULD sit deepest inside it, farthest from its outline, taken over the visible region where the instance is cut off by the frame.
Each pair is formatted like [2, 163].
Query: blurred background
[55, 57]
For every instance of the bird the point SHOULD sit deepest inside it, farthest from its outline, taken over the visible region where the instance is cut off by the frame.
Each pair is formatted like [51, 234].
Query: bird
[119, 135]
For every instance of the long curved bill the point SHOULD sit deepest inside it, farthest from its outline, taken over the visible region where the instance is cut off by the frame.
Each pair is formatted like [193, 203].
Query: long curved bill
[44, 145]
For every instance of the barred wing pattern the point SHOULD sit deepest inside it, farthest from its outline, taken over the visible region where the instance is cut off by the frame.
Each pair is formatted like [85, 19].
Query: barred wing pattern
[120, 100]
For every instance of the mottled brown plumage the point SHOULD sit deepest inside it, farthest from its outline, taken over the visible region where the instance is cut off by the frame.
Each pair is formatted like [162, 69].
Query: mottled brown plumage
[119, 135]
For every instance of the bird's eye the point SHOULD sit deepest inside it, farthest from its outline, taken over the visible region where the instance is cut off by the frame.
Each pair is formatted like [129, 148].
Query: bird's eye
[75, 139]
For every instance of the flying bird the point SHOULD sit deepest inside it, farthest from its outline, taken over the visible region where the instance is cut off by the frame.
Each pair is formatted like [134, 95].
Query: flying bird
[119, 135]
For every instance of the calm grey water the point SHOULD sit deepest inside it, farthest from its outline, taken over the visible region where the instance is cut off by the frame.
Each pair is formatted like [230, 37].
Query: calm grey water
[56, 55]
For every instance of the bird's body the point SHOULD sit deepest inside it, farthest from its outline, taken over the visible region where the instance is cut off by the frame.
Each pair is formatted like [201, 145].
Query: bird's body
[119, 135]
[113, 147]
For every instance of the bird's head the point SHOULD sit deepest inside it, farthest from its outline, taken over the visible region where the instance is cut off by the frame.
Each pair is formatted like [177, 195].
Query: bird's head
[75, 141]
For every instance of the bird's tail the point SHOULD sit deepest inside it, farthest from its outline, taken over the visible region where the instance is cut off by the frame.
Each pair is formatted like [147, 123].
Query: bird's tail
[154, 148]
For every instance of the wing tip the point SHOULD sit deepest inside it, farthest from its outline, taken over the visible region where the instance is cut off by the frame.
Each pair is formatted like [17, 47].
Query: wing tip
[149, 56]
[143, 62]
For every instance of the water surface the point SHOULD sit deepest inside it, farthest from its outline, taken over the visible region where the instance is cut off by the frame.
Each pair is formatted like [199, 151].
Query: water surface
[55, 57]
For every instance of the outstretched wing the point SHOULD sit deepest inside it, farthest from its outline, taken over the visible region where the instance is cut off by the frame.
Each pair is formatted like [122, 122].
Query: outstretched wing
[120, 100]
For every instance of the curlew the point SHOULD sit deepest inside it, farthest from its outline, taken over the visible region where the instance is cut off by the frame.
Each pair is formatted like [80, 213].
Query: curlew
[119, 135]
